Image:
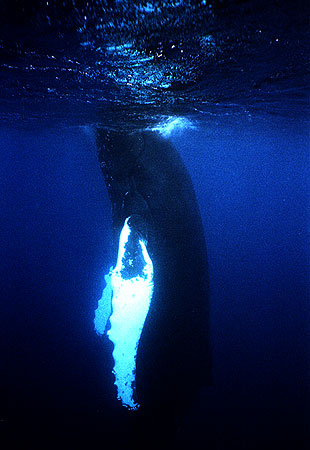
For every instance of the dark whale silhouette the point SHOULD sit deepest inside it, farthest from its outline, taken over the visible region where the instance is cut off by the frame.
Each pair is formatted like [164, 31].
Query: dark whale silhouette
[148, 182]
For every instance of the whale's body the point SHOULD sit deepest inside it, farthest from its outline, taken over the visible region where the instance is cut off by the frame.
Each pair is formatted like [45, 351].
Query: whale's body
[147, 181]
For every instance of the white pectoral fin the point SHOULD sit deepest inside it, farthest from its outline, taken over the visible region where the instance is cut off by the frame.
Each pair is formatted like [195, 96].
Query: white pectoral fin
[126, 300]
[131, 299]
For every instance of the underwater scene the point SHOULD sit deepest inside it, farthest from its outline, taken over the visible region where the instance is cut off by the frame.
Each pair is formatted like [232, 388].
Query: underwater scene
[155, 269]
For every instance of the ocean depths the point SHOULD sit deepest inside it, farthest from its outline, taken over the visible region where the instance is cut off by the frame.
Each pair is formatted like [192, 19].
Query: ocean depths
[227, 81]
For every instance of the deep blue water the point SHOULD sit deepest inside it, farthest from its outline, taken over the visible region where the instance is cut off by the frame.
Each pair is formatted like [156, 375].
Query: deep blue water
[238, 71]
[251, 180]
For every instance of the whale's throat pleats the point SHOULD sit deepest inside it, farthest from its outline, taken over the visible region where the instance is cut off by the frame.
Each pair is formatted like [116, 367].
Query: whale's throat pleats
[130, 287]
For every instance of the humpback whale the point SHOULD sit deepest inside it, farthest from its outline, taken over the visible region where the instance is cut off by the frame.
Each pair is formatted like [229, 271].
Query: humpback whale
[153, 199]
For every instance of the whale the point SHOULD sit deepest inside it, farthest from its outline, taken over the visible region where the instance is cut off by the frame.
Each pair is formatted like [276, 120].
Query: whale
[158, 238]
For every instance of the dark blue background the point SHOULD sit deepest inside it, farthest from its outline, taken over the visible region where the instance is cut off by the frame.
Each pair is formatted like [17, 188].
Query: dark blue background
[251, 180]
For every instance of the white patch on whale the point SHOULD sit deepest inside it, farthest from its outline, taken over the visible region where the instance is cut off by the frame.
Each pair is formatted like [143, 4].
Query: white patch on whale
[131, 299]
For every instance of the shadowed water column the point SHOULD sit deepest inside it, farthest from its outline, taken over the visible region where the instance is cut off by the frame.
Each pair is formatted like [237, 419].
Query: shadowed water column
[149, 185]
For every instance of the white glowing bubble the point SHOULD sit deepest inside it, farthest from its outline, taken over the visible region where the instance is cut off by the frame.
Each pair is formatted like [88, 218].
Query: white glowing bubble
[131, 299]
[171, 125]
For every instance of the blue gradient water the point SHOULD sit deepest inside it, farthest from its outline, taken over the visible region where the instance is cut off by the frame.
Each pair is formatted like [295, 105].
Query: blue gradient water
[237, 74]
[251, 181]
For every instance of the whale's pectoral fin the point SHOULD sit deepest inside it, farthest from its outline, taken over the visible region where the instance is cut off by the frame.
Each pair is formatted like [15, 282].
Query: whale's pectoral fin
[131, 287]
